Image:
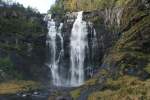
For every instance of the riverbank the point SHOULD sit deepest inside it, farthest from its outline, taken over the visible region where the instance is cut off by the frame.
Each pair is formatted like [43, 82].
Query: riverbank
[17, 86]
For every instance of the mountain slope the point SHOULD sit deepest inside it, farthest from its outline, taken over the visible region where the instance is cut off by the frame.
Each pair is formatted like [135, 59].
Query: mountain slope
[126, 63]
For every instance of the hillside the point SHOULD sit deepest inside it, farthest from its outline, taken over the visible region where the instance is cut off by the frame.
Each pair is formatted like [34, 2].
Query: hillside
[83, 50]
[22, 30]
[124, 70]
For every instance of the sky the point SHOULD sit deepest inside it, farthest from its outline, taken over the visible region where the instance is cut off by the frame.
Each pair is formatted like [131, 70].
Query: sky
[42, 5]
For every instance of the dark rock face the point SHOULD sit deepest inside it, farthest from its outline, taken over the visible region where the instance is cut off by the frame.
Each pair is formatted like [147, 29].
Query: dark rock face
[102, 41]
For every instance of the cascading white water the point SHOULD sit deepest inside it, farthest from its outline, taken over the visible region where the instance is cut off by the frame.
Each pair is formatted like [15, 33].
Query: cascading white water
[79, 42]
[94, 43]
[61, 53]
[79, 51]
[52, 34]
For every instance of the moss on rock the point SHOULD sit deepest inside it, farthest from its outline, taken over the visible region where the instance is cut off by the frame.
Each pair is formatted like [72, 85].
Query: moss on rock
[75, 93]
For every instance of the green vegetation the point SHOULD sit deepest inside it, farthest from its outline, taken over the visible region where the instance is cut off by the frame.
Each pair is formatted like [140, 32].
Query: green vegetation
[13, 87]
[7, 67]
[89, 5]
[57, 8]
[17, 20]
[124, 88]
[6, 64]
[129, 55]
[18, 27]
[16, 23]
[75, 94]
[136, 54]
[147, 68]
[128, 59]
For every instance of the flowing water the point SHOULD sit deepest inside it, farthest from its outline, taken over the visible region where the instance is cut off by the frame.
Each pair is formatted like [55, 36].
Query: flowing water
[53, 65]
[78, 45]
[74, 74]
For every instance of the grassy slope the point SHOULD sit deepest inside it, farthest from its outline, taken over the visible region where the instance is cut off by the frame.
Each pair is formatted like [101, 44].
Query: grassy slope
[124, 88]
[15, 86]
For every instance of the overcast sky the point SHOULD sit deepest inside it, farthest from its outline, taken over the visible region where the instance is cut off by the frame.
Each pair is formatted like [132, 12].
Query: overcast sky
[42, 5]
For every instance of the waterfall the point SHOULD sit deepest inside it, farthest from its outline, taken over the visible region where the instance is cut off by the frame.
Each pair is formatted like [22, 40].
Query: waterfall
[70, 70]
[54, 60]
[78, 44]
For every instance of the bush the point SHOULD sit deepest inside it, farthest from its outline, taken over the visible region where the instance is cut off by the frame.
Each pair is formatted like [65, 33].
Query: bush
[7, 66]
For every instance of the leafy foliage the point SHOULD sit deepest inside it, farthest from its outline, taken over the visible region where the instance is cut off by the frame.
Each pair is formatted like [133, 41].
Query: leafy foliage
[7, 66]
[19, 27]
[57, 8]
[15, 19]
[88, 5]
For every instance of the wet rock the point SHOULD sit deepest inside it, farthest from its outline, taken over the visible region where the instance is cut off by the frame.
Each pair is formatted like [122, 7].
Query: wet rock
[63, 98]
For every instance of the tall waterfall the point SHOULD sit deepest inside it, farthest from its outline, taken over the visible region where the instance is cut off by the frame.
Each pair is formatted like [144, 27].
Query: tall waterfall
[54, 60]
[79, 42]
[68, 66]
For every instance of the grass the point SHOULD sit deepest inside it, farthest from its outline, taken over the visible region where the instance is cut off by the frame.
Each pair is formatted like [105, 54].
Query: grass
[147, 68]
[121, 2]
[90, 82]
[13, 87]
[75, 93]
[124, 88]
